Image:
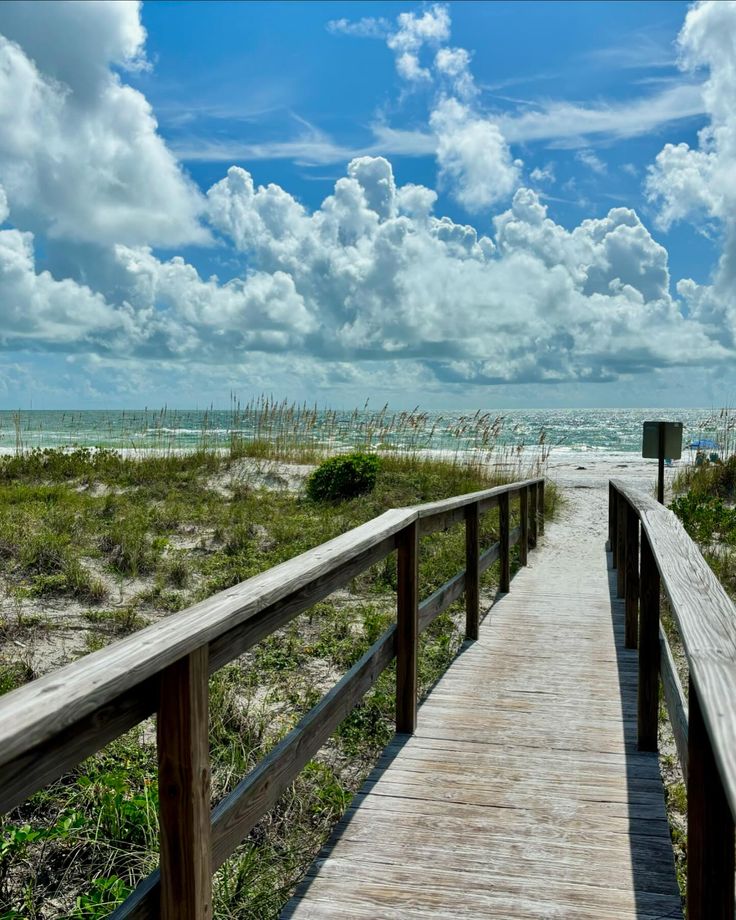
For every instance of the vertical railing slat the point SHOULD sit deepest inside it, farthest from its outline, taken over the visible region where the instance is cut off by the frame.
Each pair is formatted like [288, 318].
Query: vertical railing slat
[532, 515]
[540, 507]
[472, 573]
[504, 582]
[184, 789]
[648, 687]
[524, 525]
[710, 827]
[407, 627]
[620, 546]
[632, 578]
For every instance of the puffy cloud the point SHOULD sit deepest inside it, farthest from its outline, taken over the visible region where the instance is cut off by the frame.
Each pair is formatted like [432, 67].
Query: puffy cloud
[473, 156]
[383, 278]
[412, 34]
[432, 27]
[474, 160]
[454, 64]
[80, 156]
[700, 183]
[41, 312]
[696, 182]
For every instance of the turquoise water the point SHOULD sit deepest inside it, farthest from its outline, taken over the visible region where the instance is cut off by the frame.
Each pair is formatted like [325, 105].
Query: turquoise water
[564, 429]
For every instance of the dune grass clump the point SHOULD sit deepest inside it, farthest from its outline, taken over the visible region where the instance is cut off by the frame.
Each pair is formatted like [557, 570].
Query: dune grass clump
[343, 477]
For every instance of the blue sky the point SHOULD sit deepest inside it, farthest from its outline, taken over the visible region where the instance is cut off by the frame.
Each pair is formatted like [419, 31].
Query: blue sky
[458, 205]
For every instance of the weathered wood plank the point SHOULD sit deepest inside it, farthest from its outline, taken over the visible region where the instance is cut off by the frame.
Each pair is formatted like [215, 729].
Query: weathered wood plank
[648, 692]
[524, 526]
[407, 628]
[184, 789]
[504, 580]
[710, 827]
[632, 578]
[437, 602]
[472, 571]
[675, 699]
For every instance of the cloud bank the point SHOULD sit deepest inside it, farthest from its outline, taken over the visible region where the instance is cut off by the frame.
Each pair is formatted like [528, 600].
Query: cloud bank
[371, 284]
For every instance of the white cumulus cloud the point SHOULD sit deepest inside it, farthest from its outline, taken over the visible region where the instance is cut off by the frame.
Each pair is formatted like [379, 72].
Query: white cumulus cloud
[80, 156]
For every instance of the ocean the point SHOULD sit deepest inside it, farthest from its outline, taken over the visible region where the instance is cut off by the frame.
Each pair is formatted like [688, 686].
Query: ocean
[561, 430]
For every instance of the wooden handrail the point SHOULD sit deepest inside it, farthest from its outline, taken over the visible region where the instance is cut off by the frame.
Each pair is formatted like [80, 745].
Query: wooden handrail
[705, 732]
[53, 723]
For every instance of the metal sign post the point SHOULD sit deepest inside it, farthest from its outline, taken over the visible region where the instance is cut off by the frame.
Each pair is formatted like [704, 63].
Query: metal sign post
[662, 440]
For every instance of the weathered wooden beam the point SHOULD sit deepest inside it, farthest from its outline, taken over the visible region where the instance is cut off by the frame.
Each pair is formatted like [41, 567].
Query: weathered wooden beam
[184, 790]
[504, 579]
[540, 490]
[472, 572]
[631, 587]
[648, 686]
[407, 628]
[620, 547]
[710, 827]
[675, 700]
[524, 525]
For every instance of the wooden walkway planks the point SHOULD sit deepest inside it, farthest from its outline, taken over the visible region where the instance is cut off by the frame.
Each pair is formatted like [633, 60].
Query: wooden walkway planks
[522, 793]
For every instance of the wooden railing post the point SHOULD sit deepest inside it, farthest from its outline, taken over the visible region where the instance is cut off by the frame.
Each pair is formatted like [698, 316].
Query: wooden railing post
[540, 491]
[620, 545]
[632, 578]
[524, 525]
[407, 627]
[504, 581]
[710, 827]
[184, 789]
[649, 651]
[612, 522]
[533, 515]
[472, 571]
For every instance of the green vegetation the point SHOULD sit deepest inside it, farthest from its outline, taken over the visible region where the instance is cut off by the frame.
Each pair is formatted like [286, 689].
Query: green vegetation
[94, 546]
[705, 502]
[343, 477]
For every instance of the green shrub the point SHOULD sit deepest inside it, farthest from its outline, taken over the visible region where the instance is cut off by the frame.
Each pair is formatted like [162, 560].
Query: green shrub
[343, 477]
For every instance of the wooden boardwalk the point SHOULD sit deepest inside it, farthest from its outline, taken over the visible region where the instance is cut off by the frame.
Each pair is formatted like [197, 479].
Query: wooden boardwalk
[522, 793]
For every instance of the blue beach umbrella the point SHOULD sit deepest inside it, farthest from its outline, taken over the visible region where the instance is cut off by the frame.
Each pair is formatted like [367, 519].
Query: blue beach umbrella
[703, 444]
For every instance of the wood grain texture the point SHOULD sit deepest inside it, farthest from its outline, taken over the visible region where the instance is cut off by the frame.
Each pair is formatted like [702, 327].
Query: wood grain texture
[621, 555]
[504, 539]
[648, 691]
[710, 828]
[521, 793]
[407, 627]
[706, 619]
[524, 526]
[632, 578]
[675, 700]
[472, 571]
[184, 790]
[540, 490]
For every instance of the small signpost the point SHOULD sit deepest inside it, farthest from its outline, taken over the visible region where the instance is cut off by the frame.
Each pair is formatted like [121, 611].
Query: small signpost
[660, 440]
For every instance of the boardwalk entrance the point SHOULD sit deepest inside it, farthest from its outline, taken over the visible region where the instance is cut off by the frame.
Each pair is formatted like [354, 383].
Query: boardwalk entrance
[522, 793]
